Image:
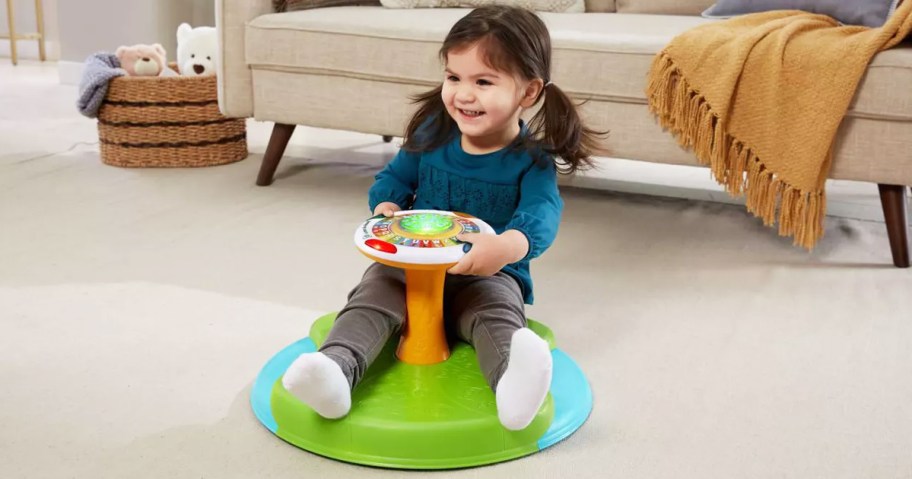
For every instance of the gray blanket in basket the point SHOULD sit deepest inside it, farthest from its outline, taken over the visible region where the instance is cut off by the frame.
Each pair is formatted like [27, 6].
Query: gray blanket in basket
[99, 69]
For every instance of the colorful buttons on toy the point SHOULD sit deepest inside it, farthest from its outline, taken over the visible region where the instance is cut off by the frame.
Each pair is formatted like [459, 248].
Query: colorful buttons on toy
[418, 237]
[426, 224]
[381, 245]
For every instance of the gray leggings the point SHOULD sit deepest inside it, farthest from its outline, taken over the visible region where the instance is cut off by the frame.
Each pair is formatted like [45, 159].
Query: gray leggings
[482, 311]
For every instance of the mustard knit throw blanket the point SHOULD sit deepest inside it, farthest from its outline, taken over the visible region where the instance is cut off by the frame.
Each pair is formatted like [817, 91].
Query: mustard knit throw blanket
[759, 99]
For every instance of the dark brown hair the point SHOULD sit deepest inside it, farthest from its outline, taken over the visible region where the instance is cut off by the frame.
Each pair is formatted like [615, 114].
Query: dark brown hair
[512, 40]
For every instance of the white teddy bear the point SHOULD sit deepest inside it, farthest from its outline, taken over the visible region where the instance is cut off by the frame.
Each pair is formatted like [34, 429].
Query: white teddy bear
[196, 50]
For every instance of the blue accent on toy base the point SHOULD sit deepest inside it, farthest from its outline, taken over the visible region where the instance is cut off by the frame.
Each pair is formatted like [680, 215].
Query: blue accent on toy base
[261, 394]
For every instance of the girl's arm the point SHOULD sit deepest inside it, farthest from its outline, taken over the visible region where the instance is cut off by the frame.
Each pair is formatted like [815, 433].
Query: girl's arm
[528, 234]
[397, 182]
[539, 211]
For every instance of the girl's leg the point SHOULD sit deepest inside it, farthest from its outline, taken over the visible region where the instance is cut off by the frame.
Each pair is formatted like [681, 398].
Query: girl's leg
[489, 314]
[375, 311]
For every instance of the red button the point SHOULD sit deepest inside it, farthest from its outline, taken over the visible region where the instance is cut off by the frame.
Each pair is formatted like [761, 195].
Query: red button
[381, 245]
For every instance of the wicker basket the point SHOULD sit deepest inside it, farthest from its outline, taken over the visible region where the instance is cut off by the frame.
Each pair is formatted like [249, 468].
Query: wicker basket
[167, 122]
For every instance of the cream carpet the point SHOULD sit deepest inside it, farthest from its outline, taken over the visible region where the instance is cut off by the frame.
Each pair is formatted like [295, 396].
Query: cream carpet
[136, 307]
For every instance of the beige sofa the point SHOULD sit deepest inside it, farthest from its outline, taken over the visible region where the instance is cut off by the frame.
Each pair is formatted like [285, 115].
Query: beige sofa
[353, 68]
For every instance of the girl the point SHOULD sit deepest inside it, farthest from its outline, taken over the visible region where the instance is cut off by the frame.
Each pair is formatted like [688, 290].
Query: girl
[466, 149]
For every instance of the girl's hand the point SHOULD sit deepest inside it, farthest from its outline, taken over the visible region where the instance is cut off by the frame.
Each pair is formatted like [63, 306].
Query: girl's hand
[387, 209]
[490, 253]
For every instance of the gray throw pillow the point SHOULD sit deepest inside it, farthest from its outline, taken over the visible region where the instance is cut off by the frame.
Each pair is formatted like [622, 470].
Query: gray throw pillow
[870, 13]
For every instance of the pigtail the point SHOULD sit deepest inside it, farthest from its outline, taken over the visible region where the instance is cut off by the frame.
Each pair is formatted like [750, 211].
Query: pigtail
[559, 130]
[431, 125]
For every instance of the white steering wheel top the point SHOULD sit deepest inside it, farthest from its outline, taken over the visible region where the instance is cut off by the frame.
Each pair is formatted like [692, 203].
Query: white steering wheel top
[421, 237]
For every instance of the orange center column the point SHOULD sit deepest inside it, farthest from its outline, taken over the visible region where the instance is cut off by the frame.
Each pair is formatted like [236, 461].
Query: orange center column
[424, 339]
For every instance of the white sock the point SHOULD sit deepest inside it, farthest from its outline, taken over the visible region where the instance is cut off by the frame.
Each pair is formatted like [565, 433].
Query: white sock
[524, 385]
[316, 380]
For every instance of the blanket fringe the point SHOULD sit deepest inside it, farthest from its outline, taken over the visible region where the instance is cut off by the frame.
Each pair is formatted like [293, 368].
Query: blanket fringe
[695, 125]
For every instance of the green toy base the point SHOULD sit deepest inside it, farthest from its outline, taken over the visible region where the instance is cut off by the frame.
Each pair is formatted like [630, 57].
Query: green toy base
[403, 416]
[407, 416]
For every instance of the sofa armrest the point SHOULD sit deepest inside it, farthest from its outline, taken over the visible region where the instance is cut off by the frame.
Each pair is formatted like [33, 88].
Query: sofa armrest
[235, 85]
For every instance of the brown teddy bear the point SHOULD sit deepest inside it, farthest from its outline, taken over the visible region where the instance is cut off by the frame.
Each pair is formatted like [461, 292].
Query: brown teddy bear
[143, 60]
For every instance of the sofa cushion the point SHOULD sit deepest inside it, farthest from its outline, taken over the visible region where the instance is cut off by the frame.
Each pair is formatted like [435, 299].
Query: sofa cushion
[295, 5]
[665, 7]
[600, 6]
[603, 56]
[563, 6]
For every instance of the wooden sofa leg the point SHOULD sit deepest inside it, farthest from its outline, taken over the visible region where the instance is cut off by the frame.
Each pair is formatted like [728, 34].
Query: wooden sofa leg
[281, 133]
[893, 200]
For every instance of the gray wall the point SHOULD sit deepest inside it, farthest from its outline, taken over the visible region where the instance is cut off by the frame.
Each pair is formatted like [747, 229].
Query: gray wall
[88, 26]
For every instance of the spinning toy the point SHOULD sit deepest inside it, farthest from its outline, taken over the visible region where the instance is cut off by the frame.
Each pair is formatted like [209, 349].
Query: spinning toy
[421, 404]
